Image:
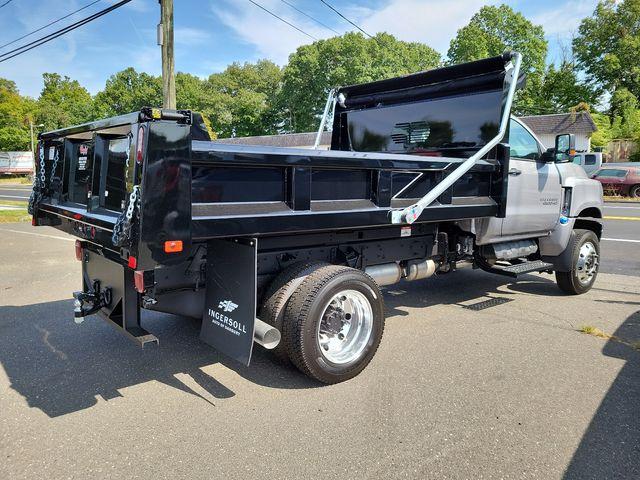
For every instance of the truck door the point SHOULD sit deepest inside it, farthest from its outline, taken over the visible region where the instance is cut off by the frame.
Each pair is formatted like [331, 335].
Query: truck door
[534, 191]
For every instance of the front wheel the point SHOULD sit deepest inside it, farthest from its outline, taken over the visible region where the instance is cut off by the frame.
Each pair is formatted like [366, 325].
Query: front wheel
[585, 261]
[634, 191]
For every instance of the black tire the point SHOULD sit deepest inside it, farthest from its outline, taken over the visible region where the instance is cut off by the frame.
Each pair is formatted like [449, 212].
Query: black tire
[569, 282]
[304, 313]
[277, 295]
[634, 191]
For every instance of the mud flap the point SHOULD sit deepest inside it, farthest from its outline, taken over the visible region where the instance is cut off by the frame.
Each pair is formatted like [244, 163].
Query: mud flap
[229, 315]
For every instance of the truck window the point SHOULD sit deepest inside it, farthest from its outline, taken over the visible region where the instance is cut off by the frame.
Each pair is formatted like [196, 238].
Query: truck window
[522, 143]
[611, 172]
[577, 159]
[589, 159]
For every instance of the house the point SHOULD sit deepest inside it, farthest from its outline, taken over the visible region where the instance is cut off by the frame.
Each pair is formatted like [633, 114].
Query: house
[546, 127]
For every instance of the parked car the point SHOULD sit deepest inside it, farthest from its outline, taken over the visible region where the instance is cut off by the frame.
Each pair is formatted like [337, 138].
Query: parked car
[589, 161]
[620, 180]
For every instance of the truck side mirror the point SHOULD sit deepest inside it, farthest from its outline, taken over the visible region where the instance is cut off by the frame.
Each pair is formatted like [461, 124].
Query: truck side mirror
[565, 147]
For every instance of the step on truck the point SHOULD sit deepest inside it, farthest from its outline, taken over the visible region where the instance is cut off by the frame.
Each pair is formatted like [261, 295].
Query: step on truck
[289, 248]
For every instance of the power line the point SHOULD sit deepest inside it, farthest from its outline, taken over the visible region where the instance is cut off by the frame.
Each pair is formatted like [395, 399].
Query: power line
[47, 38]
[6, 3]
[283, 20]
[49, 24]
[352, 23]
[309, 16]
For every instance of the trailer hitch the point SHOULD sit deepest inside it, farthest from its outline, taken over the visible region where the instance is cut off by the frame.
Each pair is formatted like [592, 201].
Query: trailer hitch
[88, 303]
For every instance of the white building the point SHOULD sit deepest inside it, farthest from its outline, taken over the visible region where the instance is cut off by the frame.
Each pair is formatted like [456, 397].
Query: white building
[546, 127]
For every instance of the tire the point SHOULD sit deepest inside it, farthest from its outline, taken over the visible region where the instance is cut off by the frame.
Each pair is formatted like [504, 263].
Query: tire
[634, 191]
[277, 295]
[356, 312]
[575, 282]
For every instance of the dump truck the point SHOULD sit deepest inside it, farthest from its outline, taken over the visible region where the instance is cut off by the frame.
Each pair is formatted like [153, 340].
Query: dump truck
[292, 248]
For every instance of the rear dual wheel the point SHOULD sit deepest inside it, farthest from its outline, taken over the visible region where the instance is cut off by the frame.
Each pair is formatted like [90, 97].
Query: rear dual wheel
[332, 323]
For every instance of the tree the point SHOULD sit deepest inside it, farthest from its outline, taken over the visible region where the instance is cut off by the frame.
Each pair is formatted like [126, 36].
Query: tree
[15, 114]
[490, 32]
[351, 58]
[608, 43]
[63, 102]
[241, 100]
[561, 90]
[128, 91]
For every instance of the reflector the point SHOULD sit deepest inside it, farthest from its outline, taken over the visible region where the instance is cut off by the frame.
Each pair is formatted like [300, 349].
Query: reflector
[79, 250]
[138, 280]
[133, 262]
[140, 145]
[173, 246]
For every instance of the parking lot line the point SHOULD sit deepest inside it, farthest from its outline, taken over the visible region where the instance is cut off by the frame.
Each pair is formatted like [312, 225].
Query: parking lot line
[637, 219]
[621, 240]
[37, 234]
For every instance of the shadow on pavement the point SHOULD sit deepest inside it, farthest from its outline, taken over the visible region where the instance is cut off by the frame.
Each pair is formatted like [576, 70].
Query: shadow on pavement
[60, 367]
[610, 448]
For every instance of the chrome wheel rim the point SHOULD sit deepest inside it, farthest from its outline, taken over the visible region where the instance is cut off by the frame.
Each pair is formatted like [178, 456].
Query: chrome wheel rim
[587, 264]
[345, 327]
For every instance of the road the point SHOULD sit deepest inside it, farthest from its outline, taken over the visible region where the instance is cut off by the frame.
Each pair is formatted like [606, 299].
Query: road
[14, 192]
[511, 391]
[621, 244]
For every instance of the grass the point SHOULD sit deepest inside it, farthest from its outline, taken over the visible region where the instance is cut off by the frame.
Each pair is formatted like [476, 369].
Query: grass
[10, 216]
[618, 198]
[15, 180]
[596, 332]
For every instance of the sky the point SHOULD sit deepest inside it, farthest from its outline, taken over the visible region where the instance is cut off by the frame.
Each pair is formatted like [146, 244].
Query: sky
[210, 34]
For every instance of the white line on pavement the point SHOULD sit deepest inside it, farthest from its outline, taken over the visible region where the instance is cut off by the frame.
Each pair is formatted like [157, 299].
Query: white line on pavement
[37, 234]
[630, 208]
[14, 196]
[621, 240]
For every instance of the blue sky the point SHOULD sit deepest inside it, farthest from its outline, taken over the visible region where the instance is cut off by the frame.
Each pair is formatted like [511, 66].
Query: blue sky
[210, 34]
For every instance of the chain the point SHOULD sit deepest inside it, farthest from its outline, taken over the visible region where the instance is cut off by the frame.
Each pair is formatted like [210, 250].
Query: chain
[122, 228]
[38, 185]
[56, 157]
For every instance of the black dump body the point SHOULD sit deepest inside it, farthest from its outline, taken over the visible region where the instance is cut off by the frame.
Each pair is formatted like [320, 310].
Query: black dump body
[392, 141]
[148, 190]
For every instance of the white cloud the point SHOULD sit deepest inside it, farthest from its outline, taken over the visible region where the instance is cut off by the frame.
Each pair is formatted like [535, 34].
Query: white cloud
[190, 36]
[434, 22]
[271, 38]
[564, 20]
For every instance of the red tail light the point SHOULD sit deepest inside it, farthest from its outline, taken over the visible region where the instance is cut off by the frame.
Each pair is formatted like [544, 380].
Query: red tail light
[138, 280]
[79, 250]
[133, 262]
[140, 145]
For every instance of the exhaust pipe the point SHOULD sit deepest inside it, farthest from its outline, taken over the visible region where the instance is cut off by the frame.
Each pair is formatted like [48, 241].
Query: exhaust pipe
[391, 273]
[266, 335]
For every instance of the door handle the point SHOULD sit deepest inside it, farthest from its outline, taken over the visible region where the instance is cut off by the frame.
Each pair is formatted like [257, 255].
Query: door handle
[514, 171]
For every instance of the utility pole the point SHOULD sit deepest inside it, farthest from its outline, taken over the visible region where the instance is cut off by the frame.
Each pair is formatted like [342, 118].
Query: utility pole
[165, 40]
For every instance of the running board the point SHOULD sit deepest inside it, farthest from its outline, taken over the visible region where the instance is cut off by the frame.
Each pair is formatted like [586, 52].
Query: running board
[521, 268]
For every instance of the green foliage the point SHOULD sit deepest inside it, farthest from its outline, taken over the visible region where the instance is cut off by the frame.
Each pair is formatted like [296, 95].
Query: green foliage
[495, 29]
[608, 43]
[15, 113]
[241, 100]
[63, 102]
[128, 91]
[602, 136]
[351, 58]
[561, 91]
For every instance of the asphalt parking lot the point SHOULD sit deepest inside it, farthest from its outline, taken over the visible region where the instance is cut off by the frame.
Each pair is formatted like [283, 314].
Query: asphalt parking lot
[511, 391]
